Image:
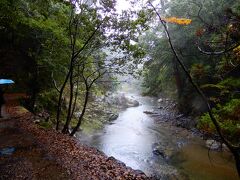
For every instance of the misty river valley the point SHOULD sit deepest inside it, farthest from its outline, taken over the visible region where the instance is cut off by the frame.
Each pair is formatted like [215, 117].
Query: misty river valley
[149, 143]
[120, 89]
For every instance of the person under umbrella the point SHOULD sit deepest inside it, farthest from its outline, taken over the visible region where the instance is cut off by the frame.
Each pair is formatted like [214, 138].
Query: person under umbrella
[2, 101]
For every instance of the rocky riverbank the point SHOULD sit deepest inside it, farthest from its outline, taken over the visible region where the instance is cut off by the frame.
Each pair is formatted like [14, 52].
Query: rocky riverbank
[105, 109]
[167, 114]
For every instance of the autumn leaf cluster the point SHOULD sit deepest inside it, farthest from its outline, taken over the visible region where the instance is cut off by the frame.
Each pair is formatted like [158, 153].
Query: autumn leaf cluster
[175, 20]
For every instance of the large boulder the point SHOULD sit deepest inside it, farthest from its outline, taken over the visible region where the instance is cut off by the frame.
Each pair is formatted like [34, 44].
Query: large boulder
[121, 100]
[132, 103]
[213, 144]
[162, 150]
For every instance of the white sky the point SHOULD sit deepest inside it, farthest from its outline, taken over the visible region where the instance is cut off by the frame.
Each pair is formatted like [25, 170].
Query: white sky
[125, 4]
[122, 5]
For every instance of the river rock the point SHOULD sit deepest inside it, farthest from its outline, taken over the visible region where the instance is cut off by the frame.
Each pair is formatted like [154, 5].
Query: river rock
[121, 100]
[37, 121]
[138, 172]
[225, 148]
[113, 117]
[160, 100]
[149, 112]
[162, 150]
[159, 152]
[160, 107]
[185, 122]
[132, 103]
[213, 144]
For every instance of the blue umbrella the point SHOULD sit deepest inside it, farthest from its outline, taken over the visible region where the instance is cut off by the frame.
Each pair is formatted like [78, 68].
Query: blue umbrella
[6, 81]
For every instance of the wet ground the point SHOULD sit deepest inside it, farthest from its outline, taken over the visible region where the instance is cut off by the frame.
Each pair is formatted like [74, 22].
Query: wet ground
[28, 151]
[22, 158]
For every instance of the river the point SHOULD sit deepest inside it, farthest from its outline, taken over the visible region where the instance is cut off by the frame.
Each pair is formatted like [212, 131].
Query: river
[134, 135]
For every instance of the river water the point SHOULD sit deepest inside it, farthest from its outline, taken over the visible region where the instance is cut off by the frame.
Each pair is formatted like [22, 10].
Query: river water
[134, 135]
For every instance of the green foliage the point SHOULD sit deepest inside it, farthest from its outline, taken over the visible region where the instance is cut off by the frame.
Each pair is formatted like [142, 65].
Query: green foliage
[200, 73]
[231, 83]
[47, 100]
[232, 109]
[222, 91]
[154, 81]
[214, 28]
[45, 125]
[215, 90]
[205, 122]
[228, 117]
[34, 41]
[207, 30]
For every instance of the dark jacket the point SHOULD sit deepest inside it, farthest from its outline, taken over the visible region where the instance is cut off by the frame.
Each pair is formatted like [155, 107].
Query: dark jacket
[2, 101]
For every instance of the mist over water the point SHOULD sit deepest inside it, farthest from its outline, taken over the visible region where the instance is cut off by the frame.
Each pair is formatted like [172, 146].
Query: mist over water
[132, 137]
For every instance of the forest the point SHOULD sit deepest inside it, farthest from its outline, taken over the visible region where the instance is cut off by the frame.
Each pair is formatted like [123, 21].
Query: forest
[68, 57]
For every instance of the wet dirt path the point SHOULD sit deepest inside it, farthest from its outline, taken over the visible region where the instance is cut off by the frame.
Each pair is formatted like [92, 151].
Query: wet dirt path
[22, 158]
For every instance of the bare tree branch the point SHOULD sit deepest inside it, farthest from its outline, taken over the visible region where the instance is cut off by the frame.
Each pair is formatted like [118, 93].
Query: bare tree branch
[218, 52]
[87, 41]
[55, 84]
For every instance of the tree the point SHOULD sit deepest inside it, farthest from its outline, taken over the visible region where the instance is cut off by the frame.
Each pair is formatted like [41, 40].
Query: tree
[30, 33]
[94, 28]
[235, 149]
[56, 39]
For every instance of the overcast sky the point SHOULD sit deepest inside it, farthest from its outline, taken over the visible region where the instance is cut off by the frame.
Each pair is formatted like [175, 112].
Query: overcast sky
[125, 4]
[122, 5]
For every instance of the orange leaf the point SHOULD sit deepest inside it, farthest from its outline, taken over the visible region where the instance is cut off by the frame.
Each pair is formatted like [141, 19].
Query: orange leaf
[175, 20]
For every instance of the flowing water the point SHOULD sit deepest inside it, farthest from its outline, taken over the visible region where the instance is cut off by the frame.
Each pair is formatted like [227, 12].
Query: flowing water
[134, 135]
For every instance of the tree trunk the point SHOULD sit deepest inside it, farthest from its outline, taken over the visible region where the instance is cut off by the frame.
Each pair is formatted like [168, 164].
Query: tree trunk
[66, 126]
[59, 107]
[82, 114]
[237, 160]
[76, 96]
[34, 89]
[234, 150]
